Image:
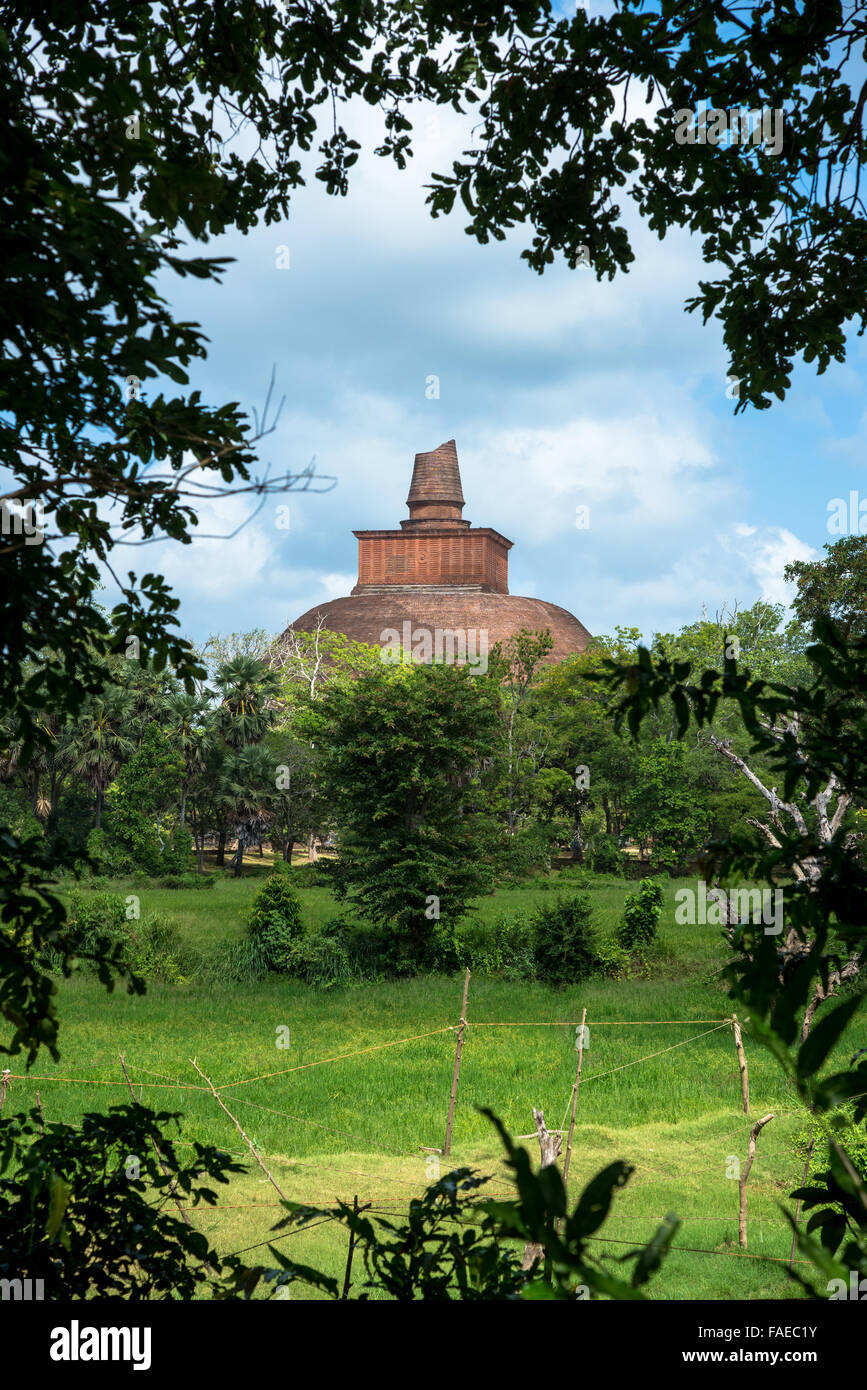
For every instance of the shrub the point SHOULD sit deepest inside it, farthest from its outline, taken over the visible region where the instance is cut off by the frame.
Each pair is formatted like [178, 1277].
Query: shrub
[75, 1213]
[342, 953]
[613, 960]
[574, 876]
[637, 927]
[151, 946]
[846, 1131]
[525, 853]
[154, 950]
[90, 918]
[93, 915]
[105, 857]
[501, 947]
[275, 920]
[322, 961]
[306, 875]
[634, 868]
[605, 856]
[240, 962]
[187, 881]
[564, 940]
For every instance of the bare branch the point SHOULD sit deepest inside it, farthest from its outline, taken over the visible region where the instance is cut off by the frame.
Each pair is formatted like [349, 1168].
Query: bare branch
[723, 746]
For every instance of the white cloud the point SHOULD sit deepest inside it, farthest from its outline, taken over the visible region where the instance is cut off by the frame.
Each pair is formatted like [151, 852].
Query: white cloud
[766, 550]
[337, 585]
[560, 390]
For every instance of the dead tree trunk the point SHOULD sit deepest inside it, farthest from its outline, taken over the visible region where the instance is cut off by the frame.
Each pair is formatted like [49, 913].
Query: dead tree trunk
[550, 1145]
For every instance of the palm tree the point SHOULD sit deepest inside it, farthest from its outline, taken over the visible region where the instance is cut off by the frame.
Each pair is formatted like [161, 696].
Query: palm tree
[190, 725]
[101, 742]
[246, 792]
[248, 689]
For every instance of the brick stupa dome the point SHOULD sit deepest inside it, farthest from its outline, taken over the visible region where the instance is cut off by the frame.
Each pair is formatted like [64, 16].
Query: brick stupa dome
[439, 572]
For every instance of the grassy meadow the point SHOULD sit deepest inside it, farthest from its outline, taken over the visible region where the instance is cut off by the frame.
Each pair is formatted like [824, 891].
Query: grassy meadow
[361, 1125]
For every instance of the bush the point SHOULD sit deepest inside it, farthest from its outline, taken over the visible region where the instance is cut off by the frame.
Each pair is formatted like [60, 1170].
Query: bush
[613, 960]
[525, 853]
[107, 858]
[634, 868]
[241, 962]
[75, 1213]
[605, 857]
[154, 950]
[306, 875]
[322, 962]
[502, 947]
[342, 953]
[641, 913]
[187, 881]
[574, 876]
[93, 915]
[151, 946]
[275, 921]
[846, 1131]
[564, 940]
[89, 917]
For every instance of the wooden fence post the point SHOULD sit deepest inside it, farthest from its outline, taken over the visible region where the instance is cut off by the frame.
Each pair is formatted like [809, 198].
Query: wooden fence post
[250, 1145]
[5, 1080]
[742, 1064]
[575, 1086]
[742, 1214]
[550, 1146]
[457, 1071]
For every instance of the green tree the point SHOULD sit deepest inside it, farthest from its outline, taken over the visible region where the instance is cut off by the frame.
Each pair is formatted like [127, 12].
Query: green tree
[299, 809]
[575, 109]
[641, 912]
[246, 791]
[515, 663]
[275, 921]
[247, 688]
[402, 752]
[102, 742]
[815, 737]
[144, 806]
[190, 728]
[835, 587]
[564, 940]
[665, 805]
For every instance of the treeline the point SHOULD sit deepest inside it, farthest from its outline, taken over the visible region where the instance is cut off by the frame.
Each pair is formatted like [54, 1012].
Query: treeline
[301, 737]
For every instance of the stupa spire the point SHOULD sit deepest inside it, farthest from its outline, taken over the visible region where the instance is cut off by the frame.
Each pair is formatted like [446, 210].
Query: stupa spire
[435, 493]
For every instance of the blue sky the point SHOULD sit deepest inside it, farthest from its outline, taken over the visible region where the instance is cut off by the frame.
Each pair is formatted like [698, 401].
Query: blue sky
[560, 391]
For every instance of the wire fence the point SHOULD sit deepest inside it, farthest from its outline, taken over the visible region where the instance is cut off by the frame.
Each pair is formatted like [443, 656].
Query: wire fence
[643, 1166]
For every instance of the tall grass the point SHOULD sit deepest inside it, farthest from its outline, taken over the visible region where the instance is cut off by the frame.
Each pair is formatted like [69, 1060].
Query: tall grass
[361, 1124]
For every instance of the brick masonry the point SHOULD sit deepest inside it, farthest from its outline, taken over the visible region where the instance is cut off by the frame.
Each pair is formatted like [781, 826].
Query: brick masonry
[438, 571]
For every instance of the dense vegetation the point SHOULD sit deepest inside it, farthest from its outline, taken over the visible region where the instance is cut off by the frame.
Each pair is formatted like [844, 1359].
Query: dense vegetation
[123, 750]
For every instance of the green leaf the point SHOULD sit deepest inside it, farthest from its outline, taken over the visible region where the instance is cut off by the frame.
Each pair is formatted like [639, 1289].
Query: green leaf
[60, 1193]
[595, 1201]
[825, 1035]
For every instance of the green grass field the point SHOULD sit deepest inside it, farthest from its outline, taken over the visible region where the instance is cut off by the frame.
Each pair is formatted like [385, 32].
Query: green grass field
[360, 1125]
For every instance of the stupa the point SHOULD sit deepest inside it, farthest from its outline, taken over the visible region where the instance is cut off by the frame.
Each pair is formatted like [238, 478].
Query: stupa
[438, 572]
